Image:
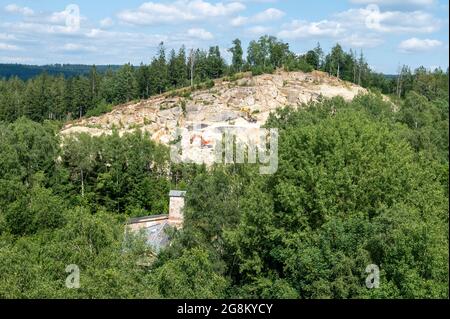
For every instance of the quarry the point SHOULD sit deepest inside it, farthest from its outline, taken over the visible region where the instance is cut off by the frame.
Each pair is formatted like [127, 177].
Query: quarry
[242, 103]
[237, 106]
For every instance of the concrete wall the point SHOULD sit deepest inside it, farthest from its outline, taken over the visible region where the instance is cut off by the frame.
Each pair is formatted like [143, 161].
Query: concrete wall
[176, 210]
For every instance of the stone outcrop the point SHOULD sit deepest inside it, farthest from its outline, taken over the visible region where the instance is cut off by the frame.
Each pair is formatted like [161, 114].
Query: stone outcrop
[246, 102]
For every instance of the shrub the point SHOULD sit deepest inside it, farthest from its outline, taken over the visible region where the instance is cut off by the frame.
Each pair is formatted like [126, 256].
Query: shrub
[100, 109]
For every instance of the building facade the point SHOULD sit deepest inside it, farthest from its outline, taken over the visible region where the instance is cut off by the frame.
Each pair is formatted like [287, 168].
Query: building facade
[155, 227]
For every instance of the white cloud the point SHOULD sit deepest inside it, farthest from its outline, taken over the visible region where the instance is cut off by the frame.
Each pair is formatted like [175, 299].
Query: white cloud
[57, 17]
[349, 26]
[396, 2]
[258, 30]
[267, 15]
[60, 22]
[107, 22]
[62, 18]
[6, 36]
[418, 45]
[199, 33]
[97, 33]
[47, 32]
[8, 47]
[257, 1]
[16, 59]
[179, 11]
[115, 41]
[239, 21]
[76, 48]
[374, 19]
[363, 26]
[362, 41]
[125, 37]
[302, 29]
[36, 28]
[14, 8]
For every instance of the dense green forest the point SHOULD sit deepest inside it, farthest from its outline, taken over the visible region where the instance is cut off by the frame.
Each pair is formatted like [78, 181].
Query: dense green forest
[63, 98]
[25, 71]
[358, 183]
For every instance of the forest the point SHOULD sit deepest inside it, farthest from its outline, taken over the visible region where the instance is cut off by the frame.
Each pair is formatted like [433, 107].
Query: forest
[25, 71]
[62, 98]
[358, 183]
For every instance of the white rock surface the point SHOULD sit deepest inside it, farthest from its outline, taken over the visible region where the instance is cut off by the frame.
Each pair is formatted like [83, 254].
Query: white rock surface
[220, 106]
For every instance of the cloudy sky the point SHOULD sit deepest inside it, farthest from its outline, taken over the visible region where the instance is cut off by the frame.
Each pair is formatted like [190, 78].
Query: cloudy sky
[390, 32]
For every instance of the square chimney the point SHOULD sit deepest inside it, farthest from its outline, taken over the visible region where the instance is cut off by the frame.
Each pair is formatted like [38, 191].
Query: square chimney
[176, 207]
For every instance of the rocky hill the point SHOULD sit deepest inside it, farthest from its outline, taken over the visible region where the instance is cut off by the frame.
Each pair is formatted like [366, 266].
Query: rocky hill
[245, 102]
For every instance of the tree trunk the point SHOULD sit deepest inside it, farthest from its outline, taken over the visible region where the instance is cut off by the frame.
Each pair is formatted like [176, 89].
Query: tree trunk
[399, 85]
[359, 75]
[82, 183]
[192, 67]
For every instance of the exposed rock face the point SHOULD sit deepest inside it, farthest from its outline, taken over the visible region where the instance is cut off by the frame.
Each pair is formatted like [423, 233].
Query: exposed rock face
[226, 104]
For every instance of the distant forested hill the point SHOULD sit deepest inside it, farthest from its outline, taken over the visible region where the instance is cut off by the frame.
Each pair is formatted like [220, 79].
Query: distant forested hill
[26, 72]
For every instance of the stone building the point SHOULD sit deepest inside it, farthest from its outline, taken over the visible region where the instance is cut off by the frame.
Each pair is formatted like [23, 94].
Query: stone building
[154, 227]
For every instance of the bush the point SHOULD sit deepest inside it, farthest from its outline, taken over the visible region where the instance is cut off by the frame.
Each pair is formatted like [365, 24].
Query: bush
[100, 109]
[258, 70]
[299, 64]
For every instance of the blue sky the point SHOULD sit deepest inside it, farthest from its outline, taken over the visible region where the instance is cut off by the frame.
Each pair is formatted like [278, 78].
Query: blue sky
[389, 32]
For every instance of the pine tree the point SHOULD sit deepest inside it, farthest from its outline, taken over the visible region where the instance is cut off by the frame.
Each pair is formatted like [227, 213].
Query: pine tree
[143, 81]
[126, 86]
[177, 68]
[237, 59]
[159, 71]
[215, 63]
[319, 52]
[94, 79]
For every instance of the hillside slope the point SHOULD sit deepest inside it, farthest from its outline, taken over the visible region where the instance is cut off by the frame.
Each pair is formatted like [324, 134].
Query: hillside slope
[246, 102]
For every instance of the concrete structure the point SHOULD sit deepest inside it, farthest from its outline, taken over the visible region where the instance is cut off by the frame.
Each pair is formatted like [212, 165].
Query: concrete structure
[176, 208]
[154, 227]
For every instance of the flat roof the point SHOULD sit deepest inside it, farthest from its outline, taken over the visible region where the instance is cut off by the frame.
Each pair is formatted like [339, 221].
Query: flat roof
[146, 218]
[174, 193]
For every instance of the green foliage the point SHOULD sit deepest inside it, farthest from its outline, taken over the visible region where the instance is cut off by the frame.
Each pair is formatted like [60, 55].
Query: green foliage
[34, 267]
[34, 210]
[358, 183]
[27, 148]
[237, 60]
[190, 276]
[351, 190]
[119, 174]
[100, 109]
[26, 71]
[177, 68]
[313, 58]
[93, 91]
[125, 85]
[428, 123]
[294, 63]
[268, 52]
[258, 70]
[325, 215]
